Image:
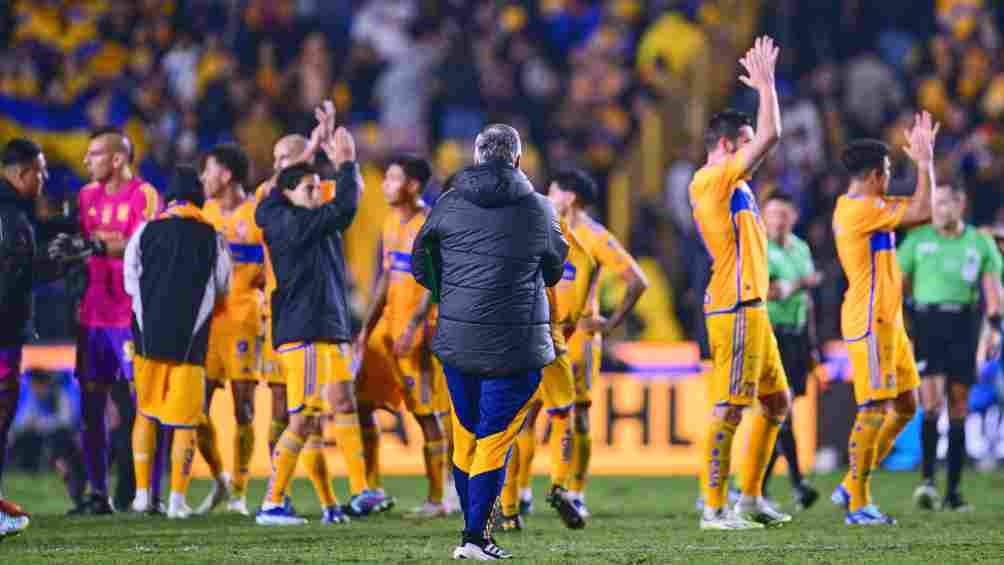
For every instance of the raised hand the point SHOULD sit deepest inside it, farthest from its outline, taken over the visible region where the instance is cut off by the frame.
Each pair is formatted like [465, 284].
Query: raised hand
[340, 147]
[759, 63]
[920, 138]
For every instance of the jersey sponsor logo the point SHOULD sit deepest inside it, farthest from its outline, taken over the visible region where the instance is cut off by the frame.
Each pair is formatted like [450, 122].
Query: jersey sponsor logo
[400, 262]
[122, 213]
[247, 253]
[569, 273]
[883, 241]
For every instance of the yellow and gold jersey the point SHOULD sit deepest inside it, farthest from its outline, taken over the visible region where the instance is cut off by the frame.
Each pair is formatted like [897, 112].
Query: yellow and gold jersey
[572, 291]
[404, 294]
[242, 307]
[604, 249]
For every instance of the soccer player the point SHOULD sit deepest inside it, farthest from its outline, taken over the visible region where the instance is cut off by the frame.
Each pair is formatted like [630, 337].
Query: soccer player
[568, 301]
[572, 192]
[945, 265]
[177, 268]
[234, 329]
[746, 363]
[112, 207]
[397, 364]
[792, 314]
[881, 356]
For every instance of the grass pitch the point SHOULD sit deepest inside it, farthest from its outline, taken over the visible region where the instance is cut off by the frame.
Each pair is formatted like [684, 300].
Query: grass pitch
[636, 520]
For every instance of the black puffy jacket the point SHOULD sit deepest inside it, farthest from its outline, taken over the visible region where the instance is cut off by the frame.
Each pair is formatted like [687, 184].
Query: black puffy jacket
[17, 266]
[490, 246]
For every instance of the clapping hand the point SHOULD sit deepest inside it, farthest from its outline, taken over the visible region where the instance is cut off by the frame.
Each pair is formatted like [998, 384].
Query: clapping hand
[920, 138]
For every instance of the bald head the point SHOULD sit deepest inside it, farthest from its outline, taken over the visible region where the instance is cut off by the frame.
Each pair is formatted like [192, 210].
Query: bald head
[287, 149]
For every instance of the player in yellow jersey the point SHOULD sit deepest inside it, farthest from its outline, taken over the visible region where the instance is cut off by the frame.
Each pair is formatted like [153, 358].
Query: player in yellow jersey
[568, 300]
[882, 361]
[572, 192]
[235, 325]
[746, 363]
[397, 364]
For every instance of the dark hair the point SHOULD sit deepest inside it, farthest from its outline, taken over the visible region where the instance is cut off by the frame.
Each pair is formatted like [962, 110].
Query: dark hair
[781, 197]
[20, 152]
[863, 156]
[415, 168]
[233, 158]
[185, 185]
[727, 124]
[577, 181]
[291, 176]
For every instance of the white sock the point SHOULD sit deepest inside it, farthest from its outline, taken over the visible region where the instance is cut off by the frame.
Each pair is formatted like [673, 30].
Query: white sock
[142, 497]
[268, 505]
[177, 500]
[750, 501]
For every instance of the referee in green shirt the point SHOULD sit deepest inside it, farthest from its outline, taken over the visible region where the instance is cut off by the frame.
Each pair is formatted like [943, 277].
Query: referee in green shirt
[792, 274]
[944, 266]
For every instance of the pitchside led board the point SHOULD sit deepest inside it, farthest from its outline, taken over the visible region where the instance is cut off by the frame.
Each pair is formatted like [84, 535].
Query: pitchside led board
[648, 420]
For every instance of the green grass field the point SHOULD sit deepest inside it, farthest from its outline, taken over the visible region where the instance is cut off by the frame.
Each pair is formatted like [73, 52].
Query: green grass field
[650, 520]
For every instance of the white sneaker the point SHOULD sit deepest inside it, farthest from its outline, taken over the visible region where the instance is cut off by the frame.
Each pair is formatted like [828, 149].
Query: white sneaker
[757, 509]
[926, 496]
[238, 505]
[722, 519]
[12, 525]
[220, 493]
[488, 552]
[177, 508]
[142, 503]
[428, 511]
[278, 516]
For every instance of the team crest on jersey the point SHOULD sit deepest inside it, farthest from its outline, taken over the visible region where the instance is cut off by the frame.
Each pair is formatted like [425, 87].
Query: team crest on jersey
[123, 213]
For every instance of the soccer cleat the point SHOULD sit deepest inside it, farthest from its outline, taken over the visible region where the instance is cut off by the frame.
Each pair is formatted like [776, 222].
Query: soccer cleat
[216, 497]
[238, 505]
[287, 503]
[142, 504]
[580, 505]
[366, 503]
[11, 525]
[955, 503]
[926, 496]
[428, 511]
[869, 516]
[805, 496]
[558, 499]
[480, 550]
[178, 510]
[525, 502]
[760, 511]
[278, 516]
[99, 505]
[722, 519]
[334, 515]
[841, 497]
[507, 524]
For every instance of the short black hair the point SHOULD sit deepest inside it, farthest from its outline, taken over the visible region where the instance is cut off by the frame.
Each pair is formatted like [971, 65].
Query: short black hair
[415, 168]
[727, 124]
[231, 156]
[863, 156]
[291, 176]
[781, 197]
[577, 181]
[20, 151]
[185, 185]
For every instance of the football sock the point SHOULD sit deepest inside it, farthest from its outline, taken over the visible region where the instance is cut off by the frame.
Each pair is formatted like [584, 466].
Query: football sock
[715, 463]
[275, 429]
[371, 452]
[317, 470]
[350, 441]
[786, 441]
[209, 447]
[95, 438]
[243, 450]
[929, 445]
[160, 459]
[435, 468]
[287, 452]
[763, 436]
[144, 448]
[956, 453]
[861, 452]
[891, 428]
[582, 447]
[561, 449]
[182, 455]
[509, 497]
[527, 448]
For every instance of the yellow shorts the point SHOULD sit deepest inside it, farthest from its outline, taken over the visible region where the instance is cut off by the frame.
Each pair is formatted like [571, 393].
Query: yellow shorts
[557, 385]
[585, 353]
[386, 381]
[171, 393]
[231, 354]
[307, 368]
[882, 364]
[268, 360]
[746, 362]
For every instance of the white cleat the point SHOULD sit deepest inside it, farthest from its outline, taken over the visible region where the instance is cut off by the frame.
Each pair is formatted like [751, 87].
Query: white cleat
[177, 509]
[141, 503]
[487, 552]
[428, 511]
[219, 494]
[722, 520]
[11, 525]
[238, 505]
[757, 509]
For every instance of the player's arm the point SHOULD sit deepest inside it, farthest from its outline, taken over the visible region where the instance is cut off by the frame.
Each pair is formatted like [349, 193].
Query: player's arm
[223, 268]
[406, 342]
[556, 251]
[637, 284]
[759, 63]
[376, 308]
[920, 148]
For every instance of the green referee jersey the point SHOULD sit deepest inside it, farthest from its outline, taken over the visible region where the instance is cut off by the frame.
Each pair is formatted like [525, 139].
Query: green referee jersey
[946, 270]
[789, 263]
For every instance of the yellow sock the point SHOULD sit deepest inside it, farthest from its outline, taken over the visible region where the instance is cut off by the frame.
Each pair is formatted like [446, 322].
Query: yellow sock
[435, 468]
[317, 470]
[763, 436]
[715, 462]
[582, 450]
[861, 451]
[287, 451]
[892, 426]
[371, 452]
[275, 429]
[144, 445]
[243, 450]
[527, 447]
[561, 449]
[209, 447]
[509, 497]
[350, 441]
[182, 455]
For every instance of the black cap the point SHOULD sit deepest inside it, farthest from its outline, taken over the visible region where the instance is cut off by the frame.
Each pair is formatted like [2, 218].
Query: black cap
[185, 185]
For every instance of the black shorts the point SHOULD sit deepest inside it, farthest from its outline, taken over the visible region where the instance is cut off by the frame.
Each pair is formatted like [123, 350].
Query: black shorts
[796, 356]
[945, 339]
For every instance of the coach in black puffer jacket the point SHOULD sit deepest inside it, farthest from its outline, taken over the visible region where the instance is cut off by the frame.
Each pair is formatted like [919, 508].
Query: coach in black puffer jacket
[487, 251]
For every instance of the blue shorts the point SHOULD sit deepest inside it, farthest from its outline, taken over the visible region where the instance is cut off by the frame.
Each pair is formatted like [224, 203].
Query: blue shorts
[104, 355]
